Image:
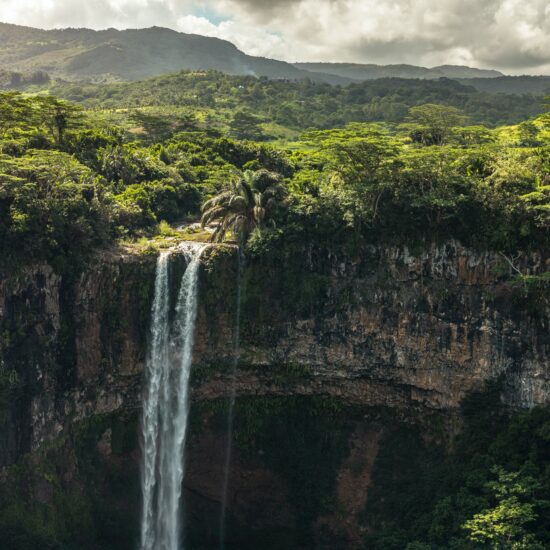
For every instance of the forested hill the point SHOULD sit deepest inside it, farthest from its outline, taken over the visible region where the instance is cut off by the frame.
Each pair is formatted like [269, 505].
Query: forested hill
[303, 104]
[538, 85]
[483, 80]
[132, 54]
[29, 55]
[359, 71]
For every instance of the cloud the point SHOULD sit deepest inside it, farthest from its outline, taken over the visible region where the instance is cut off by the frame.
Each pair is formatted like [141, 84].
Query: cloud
[95, 14]
[511, 35]
[249, 38]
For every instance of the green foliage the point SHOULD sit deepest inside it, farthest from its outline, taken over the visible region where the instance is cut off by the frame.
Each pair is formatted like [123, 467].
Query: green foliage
[491, 491]
[70, 495]
[16, 79]
[381, 187]
[161, 127]
[246, 125]
[434, 123]
[533, 292]
[51, 206]
[247, 205]
[301, 439]
[303, 104]
[506, 524]
[71, 183]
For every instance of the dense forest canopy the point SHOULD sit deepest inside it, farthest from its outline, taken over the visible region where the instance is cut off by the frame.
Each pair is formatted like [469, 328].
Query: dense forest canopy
[72, 180]
[303, 104]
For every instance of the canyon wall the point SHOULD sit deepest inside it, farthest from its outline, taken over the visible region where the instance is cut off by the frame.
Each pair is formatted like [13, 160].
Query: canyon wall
[331, 346]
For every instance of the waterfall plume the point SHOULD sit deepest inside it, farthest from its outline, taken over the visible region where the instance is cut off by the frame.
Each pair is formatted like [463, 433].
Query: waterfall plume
[166, 403]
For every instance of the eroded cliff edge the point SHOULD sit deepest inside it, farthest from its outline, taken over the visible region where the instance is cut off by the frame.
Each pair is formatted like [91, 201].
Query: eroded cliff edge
[409, 331]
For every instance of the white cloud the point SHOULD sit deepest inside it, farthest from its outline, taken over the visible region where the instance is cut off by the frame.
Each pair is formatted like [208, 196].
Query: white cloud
[95, 14]
[512, 35]
[249, 38]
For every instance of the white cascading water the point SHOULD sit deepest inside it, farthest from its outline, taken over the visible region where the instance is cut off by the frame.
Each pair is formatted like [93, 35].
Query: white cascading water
[157, 363]
[166, 403]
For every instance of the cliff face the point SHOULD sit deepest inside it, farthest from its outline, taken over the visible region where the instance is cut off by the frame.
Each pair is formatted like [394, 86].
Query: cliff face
[391, 328]
[69, 345]
[410, 332]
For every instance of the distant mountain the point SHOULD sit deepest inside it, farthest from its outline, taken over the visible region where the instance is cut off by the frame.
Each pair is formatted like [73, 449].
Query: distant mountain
[27, 54]
[357, 71]
[538, 85]
[111, 54]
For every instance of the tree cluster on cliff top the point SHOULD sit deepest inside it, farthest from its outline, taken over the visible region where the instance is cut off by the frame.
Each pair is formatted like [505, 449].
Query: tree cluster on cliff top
[71, 182]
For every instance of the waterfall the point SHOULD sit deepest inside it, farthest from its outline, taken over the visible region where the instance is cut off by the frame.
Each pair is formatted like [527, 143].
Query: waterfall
[156, 365]
[231, 411]
[166, 403]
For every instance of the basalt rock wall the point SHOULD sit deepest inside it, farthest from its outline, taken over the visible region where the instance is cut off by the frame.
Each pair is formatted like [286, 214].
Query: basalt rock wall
[333, 350]
[387, 328]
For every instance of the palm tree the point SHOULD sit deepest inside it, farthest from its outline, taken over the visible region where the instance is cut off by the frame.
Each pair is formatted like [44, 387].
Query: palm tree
[247, 204]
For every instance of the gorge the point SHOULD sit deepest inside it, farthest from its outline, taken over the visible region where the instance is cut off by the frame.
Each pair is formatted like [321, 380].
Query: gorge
[339, 355]
[264, 305]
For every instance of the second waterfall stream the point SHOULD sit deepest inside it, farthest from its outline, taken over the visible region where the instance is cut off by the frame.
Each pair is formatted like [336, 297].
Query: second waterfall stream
[166, 402]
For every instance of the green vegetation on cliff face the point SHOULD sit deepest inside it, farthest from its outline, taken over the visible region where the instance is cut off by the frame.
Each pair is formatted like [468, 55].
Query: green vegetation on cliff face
[80, 492]
[488, 488]
[491, 491]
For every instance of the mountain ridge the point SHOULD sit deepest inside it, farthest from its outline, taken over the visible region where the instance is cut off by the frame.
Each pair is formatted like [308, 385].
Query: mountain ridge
[371, 71]
[111, 55]
[132, 54]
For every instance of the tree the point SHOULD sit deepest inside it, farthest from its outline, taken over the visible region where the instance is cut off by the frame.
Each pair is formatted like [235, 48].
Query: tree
[52, 206]
[15, 111]
[58, 116]
[247, 204]
[505, 525]
[528, 135]
[434, 122]
[362, 170]
[246, 125]
[159, 127]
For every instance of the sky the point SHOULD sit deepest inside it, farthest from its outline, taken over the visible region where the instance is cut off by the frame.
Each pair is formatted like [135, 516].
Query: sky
[510, 35]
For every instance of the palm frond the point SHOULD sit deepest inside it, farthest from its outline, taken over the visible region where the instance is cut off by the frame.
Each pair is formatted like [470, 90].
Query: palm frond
[218, 199]
[213, 213]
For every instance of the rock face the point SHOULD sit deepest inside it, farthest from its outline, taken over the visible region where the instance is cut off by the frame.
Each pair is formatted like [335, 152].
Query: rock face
[413, 332]
[70, 348]
[392, 328]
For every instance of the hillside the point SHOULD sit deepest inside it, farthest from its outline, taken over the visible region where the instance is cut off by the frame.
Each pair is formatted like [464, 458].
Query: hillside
[77, 54]
[358, 71]
[301, 105]
[483, 80]
[525, 84]
[27, 54]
